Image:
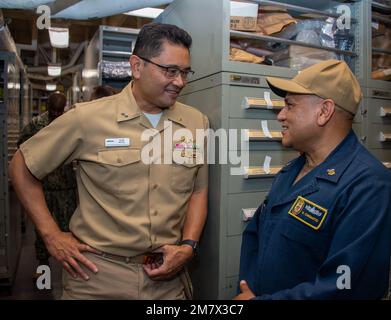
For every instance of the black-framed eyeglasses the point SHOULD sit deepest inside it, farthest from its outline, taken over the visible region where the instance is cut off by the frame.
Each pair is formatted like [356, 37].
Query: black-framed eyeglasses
[172, 72]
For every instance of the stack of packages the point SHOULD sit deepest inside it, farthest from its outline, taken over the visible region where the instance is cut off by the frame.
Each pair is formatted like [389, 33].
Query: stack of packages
[381, 63]
[116, 69]
[277, 22]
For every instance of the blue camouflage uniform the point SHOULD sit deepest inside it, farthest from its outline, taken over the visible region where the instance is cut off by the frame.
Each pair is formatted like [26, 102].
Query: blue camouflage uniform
[307, 238]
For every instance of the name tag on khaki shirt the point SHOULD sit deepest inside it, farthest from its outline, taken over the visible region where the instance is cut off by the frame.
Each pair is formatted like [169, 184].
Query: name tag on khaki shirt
[117, 142]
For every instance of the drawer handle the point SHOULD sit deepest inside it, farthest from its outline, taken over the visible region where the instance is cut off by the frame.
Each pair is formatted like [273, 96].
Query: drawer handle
[385, 137]
[387, 165]
[262, 104]
[259, 172]
[248, 213]
[385, 112]
[260, 135]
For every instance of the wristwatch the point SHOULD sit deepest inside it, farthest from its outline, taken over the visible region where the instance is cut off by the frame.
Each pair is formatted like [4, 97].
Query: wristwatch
[192, 243]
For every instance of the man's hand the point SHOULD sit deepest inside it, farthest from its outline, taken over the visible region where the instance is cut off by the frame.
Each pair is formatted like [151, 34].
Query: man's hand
[64, 247]
[246, 294]
[173, 260]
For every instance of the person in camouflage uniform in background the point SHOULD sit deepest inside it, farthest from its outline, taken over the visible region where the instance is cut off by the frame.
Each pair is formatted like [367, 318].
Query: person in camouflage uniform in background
[59, 187]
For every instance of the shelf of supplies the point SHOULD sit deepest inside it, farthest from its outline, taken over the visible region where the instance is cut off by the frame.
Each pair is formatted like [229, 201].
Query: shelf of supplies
[381, 19]
[260, 172]
[116, 53]
[382, 51]
[260, 135]
[385, 112]
[299, 9]
[248, 35]
[263, 104]
[387, 165]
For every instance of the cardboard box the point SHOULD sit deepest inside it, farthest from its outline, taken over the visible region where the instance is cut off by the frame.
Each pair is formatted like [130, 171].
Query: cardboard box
[244, 16]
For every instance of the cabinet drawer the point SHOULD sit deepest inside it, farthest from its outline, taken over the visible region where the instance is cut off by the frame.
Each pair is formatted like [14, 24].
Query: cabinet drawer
[232, 251]
[358, 129]
[254, 103]
[259, 134]
[379, 136]
[384, 156]
[240, 178]
[379, 111]
[239, 206]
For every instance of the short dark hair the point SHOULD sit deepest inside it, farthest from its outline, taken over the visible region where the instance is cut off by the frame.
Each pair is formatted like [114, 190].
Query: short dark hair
[56, 101]
[102, 91]
[152, 35]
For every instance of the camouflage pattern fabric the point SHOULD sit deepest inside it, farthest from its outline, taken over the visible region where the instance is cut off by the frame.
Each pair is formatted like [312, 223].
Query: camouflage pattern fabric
[59, 187]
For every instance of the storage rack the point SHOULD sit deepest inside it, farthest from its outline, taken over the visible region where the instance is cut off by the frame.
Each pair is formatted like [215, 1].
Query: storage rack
[377, 93]
[109, 48]
[14, 107]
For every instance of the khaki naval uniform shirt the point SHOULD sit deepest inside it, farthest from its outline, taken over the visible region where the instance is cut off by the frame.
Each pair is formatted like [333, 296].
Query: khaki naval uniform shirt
[126, 207]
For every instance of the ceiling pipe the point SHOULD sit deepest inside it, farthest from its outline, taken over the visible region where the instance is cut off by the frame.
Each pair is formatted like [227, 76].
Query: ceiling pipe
[54, 55]
[71, 63]
[89, 9]
[64, 71]
[6, 41]
[37, 86]
[44, 55]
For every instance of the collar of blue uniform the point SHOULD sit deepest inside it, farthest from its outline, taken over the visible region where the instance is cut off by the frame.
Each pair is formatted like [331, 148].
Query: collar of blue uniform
[128, 109]
[335, 164]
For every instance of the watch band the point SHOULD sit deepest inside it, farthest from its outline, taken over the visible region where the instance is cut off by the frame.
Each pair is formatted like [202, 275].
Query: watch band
[192, 243]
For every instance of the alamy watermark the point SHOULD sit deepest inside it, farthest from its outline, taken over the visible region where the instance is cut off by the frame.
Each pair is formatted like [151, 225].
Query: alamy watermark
[344, 280]
[182, 146]
[44, 281]
[345, 18]
[43, 21]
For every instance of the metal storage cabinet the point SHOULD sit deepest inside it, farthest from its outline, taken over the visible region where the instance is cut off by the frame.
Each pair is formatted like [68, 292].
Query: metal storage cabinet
[377, 93]
[110, 45]
[235, 95]
[10, 210]
[377, 134]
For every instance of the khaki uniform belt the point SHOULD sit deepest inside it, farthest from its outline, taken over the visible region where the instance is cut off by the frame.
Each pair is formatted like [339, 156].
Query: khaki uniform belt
[140, 259]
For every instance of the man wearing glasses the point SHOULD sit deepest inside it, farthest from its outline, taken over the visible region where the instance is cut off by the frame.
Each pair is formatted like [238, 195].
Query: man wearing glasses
[138, 222]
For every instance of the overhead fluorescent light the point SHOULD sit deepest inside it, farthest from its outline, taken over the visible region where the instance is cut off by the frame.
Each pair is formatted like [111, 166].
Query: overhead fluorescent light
[59, 37]
[54, 70]
[51, 86]
[145, 13]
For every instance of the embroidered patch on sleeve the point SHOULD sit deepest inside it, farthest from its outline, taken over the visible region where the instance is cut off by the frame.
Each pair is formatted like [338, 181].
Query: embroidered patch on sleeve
[308, 212]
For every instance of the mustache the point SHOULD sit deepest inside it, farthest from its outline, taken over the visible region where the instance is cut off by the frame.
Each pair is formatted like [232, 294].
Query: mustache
[174, 88]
